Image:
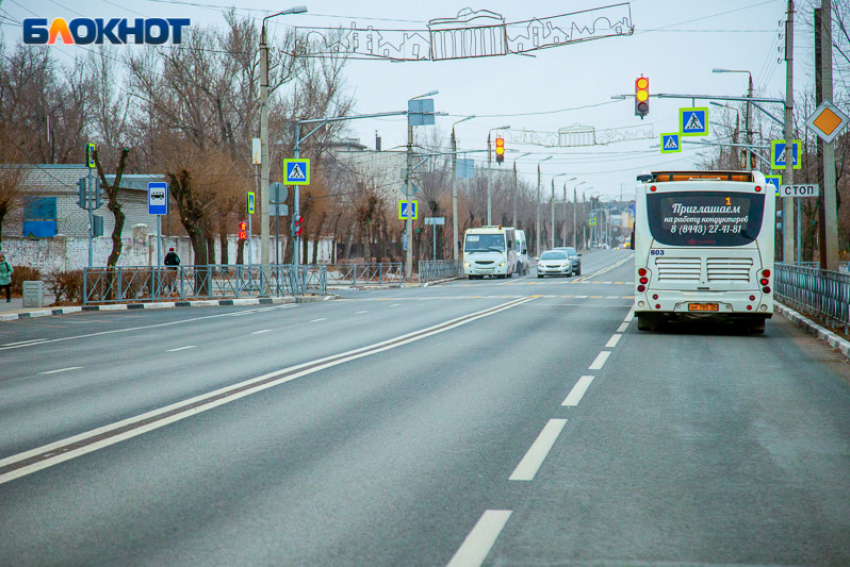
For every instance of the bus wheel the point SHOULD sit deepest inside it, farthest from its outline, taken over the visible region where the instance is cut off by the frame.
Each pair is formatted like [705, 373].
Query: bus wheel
[645, 324]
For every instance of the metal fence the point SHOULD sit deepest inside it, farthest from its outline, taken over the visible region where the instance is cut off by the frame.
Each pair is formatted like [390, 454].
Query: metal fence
[842, 266]
[439, 270]
[382, 273]
[120, 284]
[815, 292]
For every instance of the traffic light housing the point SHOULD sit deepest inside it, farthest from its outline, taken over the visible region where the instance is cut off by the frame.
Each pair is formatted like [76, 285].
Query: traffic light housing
[243, 230]
[98, 193]
[297, 225]
[500, 150]
[82, 193]
[642, 97]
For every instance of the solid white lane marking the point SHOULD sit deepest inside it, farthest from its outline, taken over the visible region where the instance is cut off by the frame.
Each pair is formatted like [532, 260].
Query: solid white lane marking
[582, 296]
[577, 393]
[623, 328]
[319, 319]
[612, 342]
[630, 316]
[360, 312]
[58, 370]
[181, 348]
[19, 343]
[474, 549]
[530, 463]
[66, 449]
[600, 360]
[261, 332]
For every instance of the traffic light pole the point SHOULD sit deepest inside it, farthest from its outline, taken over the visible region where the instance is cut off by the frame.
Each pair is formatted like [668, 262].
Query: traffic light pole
[489, 175]
[90, 201]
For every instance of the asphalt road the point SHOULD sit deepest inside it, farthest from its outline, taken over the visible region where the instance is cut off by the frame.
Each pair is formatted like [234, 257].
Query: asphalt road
[495, 422]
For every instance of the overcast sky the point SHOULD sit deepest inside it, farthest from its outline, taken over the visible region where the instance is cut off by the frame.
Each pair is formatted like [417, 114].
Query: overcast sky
[676, 44]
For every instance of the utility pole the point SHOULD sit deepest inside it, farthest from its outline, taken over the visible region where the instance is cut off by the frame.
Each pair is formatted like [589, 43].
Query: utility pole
[749, 152]
[516, 190]
[454, 196]
[575, 206]
[788, 203]
[408, 222]
[828, 226]
[564, 232]
[489, 173]
[537, 227]
[553, 212]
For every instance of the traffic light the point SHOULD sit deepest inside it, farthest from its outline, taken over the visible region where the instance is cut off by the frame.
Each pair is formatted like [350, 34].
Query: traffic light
[642, 97]
[500, 150]
[98, 193]
[82, 193]
[243, 230]
[297, 225]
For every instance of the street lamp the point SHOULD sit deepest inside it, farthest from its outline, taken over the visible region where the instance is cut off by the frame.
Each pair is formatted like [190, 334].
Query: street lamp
[454, 186]
[264, 140]
[516, 189]
[575, 206]
[553, 206]
[408, 222]
[489, 160]
[749, 111]
[537, 228]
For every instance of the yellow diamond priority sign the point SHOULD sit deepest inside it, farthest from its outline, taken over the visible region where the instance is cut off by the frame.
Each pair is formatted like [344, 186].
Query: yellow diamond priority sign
[827, 121]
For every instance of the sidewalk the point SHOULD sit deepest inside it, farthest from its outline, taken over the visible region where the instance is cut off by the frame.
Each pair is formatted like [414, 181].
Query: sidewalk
[15, 309]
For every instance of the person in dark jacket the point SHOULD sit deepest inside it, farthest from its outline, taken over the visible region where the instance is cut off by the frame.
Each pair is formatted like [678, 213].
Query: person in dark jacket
[171, 259]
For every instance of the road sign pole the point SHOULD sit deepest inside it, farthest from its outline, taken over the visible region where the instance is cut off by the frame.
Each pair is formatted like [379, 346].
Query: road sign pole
[828, 211]
[408, 222]
[89, 204]
[787, 204]
[434, 233]
[250, 237]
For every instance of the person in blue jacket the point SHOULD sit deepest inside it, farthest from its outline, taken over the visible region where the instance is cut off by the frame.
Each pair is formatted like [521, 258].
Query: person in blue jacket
[6, 276]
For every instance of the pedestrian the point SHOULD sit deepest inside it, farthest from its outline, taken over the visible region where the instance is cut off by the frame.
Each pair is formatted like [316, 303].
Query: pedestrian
[172, 259]
[6, 276]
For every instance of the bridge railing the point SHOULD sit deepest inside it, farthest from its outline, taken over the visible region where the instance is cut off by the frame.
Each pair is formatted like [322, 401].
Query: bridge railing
[381, 273]
[120, 284]
[439, 270]
[821, 293]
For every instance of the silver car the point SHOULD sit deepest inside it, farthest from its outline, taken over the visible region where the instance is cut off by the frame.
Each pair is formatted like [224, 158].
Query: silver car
[554, 263]
[575, 257]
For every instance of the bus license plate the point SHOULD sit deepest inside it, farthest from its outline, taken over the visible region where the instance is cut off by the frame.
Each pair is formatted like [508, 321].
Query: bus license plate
[703, 307]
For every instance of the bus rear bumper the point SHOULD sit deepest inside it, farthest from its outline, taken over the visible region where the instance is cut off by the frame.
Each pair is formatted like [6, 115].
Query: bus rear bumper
[683, 304]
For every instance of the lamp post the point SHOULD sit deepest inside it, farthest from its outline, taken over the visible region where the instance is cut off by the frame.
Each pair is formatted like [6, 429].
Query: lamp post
[749, 113]
[455, 235]
[516, 188]
[537, 228]
[564, 240]
[408, 222]
[489, 161]
[264, 140]
[575, 206]
[553, 206]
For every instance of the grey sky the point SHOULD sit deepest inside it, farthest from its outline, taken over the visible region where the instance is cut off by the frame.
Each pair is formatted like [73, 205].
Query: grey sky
[676, 44]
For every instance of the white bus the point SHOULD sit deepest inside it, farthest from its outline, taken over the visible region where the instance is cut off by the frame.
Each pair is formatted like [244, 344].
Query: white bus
[703, 245]
[489, 251]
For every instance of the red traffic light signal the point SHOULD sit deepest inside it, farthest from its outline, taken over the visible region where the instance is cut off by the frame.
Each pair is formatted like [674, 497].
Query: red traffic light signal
[297, 225]
[642, 97]
[500, 150]
[243, 230]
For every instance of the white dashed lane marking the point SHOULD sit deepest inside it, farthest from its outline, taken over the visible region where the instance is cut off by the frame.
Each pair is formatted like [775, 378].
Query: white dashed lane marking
[600, 360]
[533, 459]
[577, 393]
[474, 549]
[612, 342]
[58, 370]
[181, 348]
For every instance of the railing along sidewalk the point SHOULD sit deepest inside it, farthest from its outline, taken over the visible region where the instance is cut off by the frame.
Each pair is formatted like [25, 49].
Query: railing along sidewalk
[432, 270]
[118, 284]
[824, 294]
[381, 273]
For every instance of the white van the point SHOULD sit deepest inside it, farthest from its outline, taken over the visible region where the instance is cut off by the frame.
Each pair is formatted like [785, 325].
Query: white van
[521, 252]
[489, 251]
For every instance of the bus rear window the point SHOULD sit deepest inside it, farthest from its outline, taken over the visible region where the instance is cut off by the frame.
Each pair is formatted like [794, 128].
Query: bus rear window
[705, 218]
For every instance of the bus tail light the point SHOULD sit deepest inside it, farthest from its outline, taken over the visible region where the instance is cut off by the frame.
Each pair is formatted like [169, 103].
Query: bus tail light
[749, 307]
[641, 288]
[766, 289]
[644, 280]
[642, 272]
[758, 189]
[764, 281]
[654, 296]
[752, 298]
[765, 273]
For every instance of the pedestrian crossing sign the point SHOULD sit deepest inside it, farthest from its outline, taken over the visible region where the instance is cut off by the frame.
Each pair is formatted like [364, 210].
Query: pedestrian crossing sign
[408, 210]
[777, 154]
[591, 221]
[693, 121]
[775, 180]
[296, 172]
[670, 143]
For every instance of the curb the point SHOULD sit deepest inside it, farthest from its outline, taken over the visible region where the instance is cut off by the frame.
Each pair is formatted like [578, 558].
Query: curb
[438, 282]
[810, 326]
[164, 305]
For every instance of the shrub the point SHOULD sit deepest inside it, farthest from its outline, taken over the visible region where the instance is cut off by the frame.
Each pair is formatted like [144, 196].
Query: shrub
[23, 274]
[67, 287]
